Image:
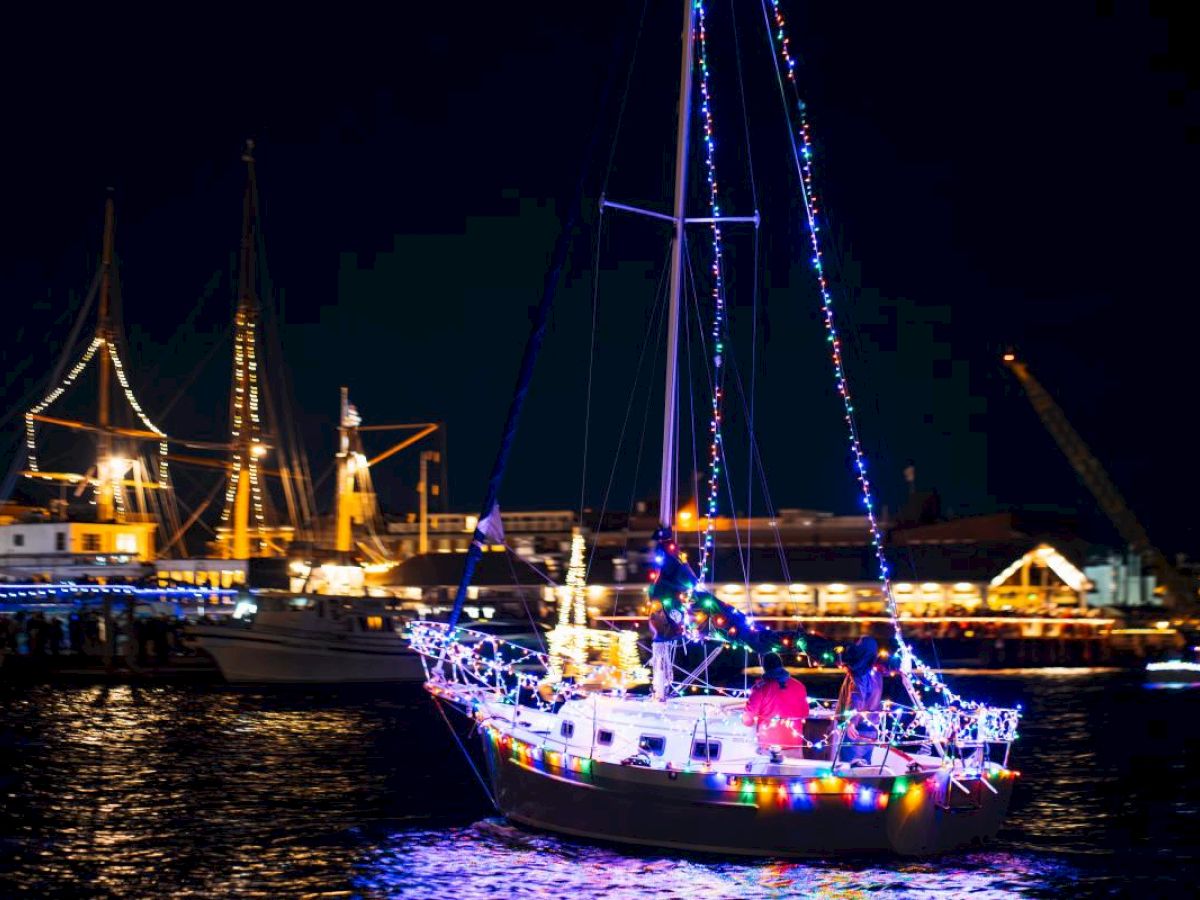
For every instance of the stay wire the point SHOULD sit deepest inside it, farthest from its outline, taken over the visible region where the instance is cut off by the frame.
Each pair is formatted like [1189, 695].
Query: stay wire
[612, 150]
[655, 318]
[587, 409]
[478, 775]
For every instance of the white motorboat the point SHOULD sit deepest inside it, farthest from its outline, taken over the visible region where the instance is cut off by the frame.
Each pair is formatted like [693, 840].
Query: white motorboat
[573, 746]
[1174, 672]
[314, 640]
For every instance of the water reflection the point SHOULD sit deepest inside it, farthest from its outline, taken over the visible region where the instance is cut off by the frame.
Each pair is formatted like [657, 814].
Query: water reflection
[507, 862]
[129, 792]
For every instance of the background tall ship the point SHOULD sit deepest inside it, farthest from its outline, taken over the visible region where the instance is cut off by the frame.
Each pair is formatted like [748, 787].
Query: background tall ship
[119, 533]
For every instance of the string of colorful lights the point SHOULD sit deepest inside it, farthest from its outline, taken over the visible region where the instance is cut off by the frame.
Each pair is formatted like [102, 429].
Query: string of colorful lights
[910, 663]
[718, 328]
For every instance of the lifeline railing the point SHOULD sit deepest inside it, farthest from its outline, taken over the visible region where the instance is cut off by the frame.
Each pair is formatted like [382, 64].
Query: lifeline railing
[484, 663]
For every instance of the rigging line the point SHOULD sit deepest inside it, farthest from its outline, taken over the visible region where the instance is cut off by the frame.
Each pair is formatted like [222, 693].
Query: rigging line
[720, 444]
[656, 316]
[737, 50]
[150, 376]
[65, 355]
[524, 600]
[587, 410]
[218, 344]
[612, 150]
[538, 321]
[479, 777]
[757, 463]
[637, 462]
[753, 391]
[691, 381]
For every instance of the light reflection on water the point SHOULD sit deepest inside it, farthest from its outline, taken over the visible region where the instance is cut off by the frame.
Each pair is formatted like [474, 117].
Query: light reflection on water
[508, 862]
[135, 792]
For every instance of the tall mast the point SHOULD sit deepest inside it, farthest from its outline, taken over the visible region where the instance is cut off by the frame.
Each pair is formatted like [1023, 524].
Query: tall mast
[343, 538]
[105, 506]
[244, 488]
[666, 505]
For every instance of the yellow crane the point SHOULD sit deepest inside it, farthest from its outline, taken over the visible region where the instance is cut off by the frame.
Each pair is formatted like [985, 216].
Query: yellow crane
[1179, 590]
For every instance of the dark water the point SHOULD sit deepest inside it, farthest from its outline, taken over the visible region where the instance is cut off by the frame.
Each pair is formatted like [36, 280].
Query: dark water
[212, 792]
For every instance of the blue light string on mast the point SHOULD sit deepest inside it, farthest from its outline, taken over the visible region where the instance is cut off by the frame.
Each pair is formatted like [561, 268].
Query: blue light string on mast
[717, 333]
[909, 662]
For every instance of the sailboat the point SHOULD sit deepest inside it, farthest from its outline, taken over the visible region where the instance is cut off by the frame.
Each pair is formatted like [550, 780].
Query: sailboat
[597, 757]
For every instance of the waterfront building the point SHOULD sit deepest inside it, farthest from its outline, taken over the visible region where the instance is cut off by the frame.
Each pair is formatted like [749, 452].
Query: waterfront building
[36, 546]
[799, 563]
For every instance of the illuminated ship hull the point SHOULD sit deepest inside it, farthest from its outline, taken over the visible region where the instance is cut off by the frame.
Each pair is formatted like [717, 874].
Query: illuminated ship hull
[709, 813]
[687, 773]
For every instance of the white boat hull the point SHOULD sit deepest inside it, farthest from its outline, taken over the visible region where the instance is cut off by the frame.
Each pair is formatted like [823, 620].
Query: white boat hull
[249, 657]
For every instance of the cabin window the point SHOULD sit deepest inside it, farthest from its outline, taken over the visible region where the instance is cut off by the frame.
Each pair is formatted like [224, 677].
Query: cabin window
[373, 623]
[60, 541]
[18, 540]
[706, 750]
[91, 543]
[567, 729]
[604, 736]
[653, 744]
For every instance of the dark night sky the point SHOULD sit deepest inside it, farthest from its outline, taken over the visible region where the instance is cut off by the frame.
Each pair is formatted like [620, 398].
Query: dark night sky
[1024, 174]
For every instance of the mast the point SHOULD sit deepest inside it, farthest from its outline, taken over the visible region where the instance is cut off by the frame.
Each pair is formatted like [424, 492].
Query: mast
[244, 487]
[345, 478]
[105, 474]
[666, 504]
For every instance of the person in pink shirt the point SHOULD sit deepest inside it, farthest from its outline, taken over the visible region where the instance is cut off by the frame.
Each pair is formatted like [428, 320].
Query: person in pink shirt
[777, 707]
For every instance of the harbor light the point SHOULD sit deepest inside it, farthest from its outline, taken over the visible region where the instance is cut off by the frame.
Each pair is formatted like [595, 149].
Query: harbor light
[113, 468]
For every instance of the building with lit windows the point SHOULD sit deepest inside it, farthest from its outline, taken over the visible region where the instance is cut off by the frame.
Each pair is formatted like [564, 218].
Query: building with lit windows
[57, 551]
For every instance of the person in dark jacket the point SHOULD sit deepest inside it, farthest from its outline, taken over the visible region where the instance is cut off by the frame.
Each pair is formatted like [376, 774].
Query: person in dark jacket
[861, 692]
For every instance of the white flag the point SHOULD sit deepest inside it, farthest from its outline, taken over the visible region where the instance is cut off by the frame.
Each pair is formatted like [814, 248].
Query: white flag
[492, 527]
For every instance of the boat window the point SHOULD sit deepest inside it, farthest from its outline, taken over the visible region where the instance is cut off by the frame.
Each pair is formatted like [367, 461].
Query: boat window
[650, 743]
[373, 623]
[568, 729]
[604, 737]
[706, 750]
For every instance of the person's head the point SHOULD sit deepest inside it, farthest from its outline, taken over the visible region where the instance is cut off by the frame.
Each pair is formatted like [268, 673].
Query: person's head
[860, 656]
[771, 661]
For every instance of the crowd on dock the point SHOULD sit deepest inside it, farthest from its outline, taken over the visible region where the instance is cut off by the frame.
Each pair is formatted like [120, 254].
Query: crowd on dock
[83, 634]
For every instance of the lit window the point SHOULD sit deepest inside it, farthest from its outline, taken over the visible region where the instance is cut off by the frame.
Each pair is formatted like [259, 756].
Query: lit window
[653, 744]
[126, 543]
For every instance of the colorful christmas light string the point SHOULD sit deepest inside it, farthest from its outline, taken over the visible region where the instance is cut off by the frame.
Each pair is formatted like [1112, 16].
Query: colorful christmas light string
[910, 663]
[717, 332]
